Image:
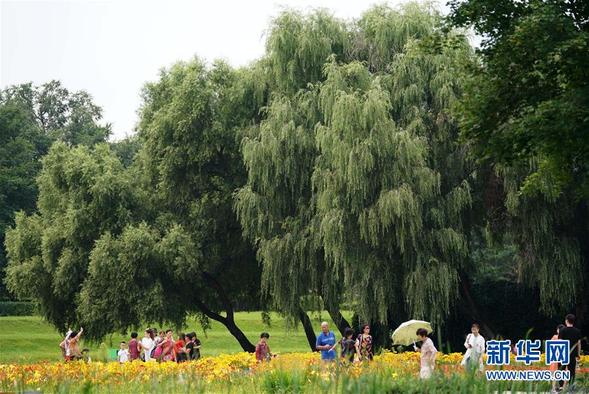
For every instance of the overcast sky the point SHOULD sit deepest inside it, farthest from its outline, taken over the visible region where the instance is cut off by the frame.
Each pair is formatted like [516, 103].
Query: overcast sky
[111, 48]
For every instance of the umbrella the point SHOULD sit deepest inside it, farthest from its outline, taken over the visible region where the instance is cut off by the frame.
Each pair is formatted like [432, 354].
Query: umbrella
[405, 333]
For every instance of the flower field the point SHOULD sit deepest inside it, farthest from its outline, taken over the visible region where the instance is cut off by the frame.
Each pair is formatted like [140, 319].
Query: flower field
[294, 372]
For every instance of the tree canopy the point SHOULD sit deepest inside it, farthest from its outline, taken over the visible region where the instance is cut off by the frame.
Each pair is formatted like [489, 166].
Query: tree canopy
[378, 165]
[525, 113]
[357, 185]
[31, 119]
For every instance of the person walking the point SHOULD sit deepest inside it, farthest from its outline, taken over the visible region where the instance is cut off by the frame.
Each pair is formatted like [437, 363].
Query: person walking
[475, 349]
[262, 349]
[192, 346]
[573, 335]
[179, 350]
[65, 346]
[148, 344]
[428, 354]
[348, 346]
[326, 343]
[134, 347]
[364, 344]
[167, 346]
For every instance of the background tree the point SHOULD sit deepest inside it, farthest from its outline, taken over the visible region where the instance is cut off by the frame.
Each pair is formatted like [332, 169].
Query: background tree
[31, 119]
[188, 130]
[83, 194]
[162, 227]
[525, 113]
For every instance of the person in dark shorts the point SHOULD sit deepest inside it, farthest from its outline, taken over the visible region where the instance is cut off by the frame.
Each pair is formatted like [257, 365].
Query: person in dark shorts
[348, 346]
[573, 335]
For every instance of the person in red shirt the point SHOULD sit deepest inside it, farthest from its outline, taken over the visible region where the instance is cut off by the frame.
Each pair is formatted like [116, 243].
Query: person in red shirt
[179, 351]
[262, 349]
[134, 347]
[167, 346]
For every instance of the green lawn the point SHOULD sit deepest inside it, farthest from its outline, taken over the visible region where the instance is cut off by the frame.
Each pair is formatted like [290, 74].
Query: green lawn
[31, 339]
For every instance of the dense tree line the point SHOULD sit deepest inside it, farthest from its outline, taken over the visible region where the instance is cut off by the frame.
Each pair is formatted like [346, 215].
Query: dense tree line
[378, 165]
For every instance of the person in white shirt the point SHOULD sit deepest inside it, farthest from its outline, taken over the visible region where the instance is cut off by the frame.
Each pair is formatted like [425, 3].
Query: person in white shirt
[123, 353]
[65, 345]
[147, 344]
[475, 349]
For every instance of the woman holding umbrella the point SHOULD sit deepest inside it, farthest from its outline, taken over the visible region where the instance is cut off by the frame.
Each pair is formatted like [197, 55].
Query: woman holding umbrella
[428, 354]
[412, 330]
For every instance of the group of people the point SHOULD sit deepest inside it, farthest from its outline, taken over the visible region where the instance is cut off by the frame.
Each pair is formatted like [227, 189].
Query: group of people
[153, 346]
[352, 349]
[160, 346]
[475, 350]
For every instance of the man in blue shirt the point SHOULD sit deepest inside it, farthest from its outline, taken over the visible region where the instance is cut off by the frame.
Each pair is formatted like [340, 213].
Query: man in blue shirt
[326, 343]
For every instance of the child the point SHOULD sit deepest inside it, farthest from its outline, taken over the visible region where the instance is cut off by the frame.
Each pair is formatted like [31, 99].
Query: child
[428, 354]
[134, 347]
[262, 348]
[123, 353]
[348, 346]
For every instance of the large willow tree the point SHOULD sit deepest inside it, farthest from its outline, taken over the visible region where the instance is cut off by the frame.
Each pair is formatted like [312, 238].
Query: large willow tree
[357, 188]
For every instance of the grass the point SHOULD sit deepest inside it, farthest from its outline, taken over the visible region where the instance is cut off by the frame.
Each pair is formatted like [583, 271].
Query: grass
[30, 339]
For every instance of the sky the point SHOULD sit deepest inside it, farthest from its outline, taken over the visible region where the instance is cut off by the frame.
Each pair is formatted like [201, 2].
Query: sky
[110, 48]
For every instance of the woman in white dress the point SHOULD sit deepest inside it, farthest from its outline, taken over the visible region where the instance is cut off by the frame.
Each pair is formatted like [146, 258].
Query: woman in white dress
[475, 349]
[147, 344]
[428, 354]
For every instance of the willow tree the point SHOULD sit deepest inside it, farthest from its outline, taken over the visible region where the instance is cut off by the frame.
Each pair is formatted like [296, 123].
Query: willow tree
[357, 187]
[83, 193]
[191, 164]
[276, 208]
[391, 186]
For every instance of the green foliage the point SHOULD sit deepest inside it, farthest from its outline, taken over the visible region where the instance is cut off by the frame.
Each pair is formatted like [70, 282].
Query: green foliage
[126, 149]
[529, 98]
[525, 111]
[356, 180]
[122, 240]
[31, 118]
[17, 308]
[83, 193]
[190, 156]
[335, 160]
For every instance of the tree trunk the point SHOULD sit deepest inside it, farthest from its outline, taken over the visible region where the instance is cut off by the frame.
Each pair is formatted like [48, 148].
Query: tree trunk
[308, 327]
[338, 319]
[470, 307]
[229, 320]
